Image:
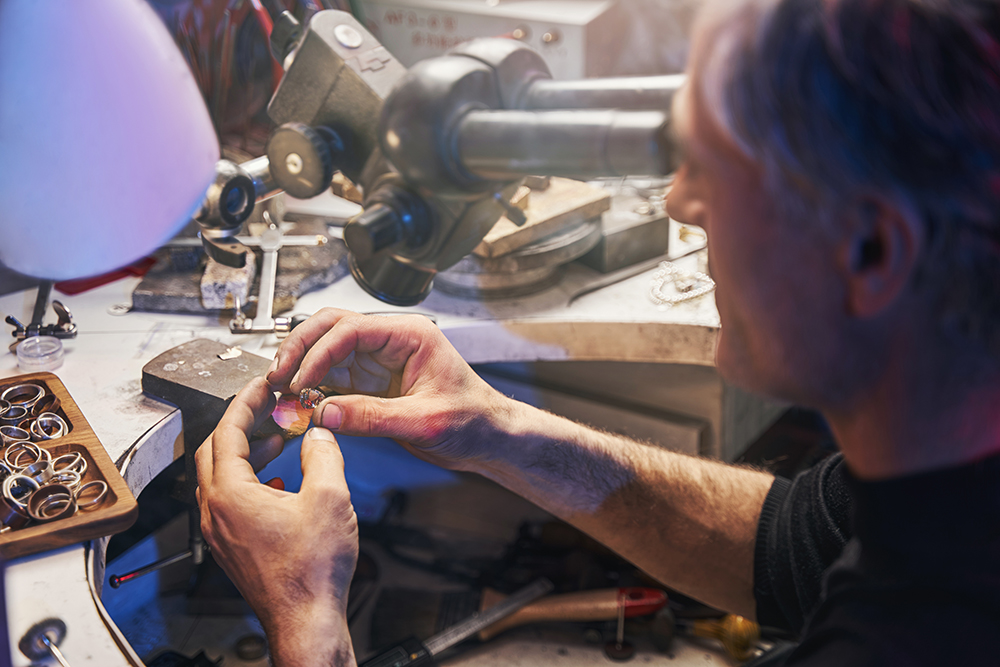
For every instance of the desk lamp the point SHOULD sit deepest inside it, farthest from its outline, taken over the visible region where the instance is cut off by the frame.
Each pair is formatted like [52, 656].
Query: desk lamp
[106, 146]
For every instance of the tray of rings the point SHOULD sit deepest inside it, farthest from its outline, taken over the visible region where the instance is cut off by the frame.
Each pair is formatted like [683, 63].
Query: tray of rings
[59, 486]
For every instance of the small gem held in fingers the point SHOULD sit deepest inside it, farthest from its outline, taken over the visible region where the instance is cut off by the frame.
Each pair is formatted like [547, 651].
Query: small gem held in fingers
[310, 398]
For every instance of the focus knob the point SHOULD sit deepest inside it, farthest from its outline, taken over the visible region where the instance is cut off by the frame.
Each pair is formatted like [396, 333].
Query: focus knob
[301, 159]
[376, 228]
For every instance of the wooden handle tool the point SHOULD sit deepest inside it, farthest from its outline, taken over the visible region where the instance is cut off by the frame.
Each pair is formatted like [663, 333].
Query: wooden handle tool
[597, 605]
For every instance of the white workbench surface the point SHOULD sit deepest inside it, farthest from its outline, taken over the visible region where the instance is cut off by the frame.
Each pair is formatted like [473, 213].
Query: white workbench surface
[102, 372]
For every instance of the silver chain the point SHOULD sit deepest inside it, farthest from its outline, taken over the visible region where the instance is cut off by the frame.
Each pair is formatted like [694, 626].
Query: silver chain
[684, 285]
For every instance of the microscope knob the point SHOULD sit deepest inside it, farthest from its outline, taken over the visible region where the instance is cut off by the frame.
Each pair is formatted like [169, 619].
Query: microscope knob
[376, 228]
[301, 159]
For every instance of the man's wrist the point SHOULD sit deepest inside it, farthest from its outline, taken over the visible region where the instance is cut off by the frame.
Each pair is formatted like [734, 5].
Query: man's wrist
[316, 637]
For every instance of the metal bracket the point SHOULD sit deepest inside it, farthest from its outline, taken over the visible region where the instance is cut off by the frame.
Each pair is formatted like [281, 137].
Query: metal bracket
[64, 326]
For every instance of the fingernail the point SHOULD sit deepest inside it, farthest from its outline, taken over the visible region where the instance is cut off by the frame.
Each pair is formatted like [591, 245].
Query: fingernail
[274, 367]
[295, 381]
[331, 416]
[321, 434]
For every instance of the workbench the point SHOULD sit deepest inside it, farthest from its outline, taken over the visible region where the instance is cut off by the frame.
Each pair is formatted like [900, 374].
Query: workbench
[102, 371]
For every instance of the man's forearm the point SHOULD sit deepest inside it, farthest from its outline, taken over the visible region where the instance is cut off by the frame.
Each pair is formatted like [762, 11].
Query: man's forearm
[689, 522]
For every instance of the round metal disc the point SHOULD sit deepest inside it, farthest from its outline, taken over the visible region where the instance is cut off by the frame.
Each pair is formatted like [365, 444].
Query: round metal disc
[617, 651]
[31, 643]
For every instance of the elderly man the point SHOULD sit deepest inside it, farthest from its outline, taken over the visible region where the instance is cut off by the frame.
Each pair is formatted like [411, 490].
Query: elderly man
[844, 158]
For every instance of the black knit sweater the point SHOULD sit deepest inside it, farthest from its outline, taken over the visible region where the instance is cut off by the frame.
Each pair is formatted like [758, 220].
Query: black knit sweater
[897, 572]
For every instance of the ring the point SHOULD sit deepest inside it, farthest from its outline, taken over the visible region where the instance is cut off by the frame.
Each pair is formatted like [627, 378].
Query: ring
[74, 463]
[47, 403]
[25, 395]
[51, 502]
[48, 426]
[96, 500]
[4, 406]
[21, 482]
[12, 516]
[70, 478]
[40, 471]
[20, 448]
[12, 434]
[14, 414]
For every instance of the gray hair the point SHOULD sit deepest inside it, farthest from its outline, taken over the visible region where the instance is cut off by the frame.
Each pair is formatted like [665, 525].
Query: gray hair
[839, 98]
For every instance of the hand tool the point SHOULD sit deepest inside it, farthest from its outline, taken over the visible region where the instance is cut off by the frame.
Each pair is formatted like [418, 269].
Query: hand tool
[738, 635]
[414, 653]
[597, 605]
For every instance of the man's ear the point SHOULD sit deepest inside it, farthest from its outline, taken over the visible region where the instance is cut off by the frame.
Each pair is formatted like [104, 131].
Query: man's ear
[879, 249]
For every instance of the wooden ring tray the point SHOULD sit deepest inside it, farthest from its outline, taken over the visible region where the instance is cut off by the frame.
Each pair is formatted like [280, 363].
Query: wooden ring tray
[118, 511]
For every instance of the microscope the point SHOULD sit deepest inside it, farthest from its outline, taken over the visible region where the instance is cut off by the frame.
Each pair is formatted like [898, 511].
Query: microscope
[438, 150]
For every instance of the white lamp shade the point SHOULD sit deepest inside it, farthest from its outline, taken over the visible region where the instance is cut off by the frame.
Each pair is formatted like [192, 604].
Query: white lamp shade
[106, 147]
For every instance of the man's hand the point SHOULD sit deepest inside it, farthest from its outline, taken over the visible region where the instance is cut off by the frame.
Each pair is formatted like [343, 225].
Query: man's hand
[292, 555]
[403, 378]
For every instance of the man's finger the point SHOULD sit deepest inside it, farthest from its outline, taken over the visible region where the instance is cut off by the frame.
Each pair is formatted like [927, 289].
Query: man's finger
[203, 462]
[230, 440]
[264, 451]
[293, 349]
[393, 339]
[404, 418]
[322, 464]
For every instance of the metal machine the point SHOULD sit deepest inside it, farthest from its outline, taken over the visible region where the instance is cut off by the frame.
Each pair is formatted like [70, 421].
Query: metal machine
[438, 149]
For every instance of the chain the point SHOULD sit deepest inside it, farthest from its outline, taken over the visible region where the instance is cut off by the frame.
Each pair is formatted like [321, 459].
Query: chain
[686, 285]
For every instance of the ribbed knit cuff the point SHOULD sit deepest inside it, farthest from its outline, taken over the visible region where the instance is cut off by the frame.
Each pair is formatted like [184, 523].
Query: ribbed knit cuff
[768, 611]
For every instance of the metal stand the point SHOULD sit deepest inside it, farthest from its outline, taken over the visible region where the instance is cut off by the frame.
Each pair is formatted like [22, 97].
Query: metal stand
[63, 328]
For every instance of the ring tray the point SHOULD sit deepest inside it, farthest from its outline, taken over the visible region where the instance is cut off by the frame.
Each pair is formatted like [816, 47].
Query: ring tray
[116, 513]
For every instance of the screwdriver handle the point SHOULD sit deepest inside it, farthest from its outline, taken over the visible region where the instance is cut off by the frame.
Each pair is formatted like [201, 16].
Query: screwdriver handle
[410, 652]
[738, 635]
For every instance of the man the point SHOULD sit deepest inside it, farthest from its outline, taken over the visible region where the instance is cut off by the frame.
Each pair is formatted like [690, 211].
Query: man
[843, 157]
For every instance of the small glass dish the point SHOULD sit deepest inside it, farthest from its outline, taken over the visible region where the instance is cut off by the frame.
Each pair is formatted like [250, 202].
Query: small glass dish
[39, 353]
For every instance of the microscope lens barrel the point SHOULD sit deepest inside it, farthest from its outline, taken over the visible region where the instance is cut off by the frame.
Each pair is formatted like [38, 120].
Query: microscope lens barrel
[503, 145]
[634, 93]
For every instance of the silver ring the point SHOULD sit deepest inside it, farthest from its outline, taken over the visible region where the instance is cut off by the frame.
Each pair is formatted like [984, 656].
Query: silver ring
[47, 403]
[19, 449]
[40, 471]
[4, 406]
[70, 478]
[14, 414]
[73, 462]
[25, 394]
[96, 500]
[19, 480]
[48, 426]
[51, 502]
[12, 434]
[12, 515]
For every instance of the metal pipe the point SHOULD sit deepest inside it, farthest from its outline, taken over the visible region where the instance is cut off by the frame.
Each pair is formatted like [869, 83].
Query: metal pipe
[117, 580]
[41, 302]
[260, 171]
[503, 145]
[633, 93]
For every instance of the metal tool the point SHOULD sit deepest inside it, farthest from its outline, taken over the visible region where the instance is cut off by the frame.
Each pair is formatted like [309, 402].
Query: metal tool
[271, 241]
[63, 328]
[117, 580]
[414, 653]
[42, 640]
